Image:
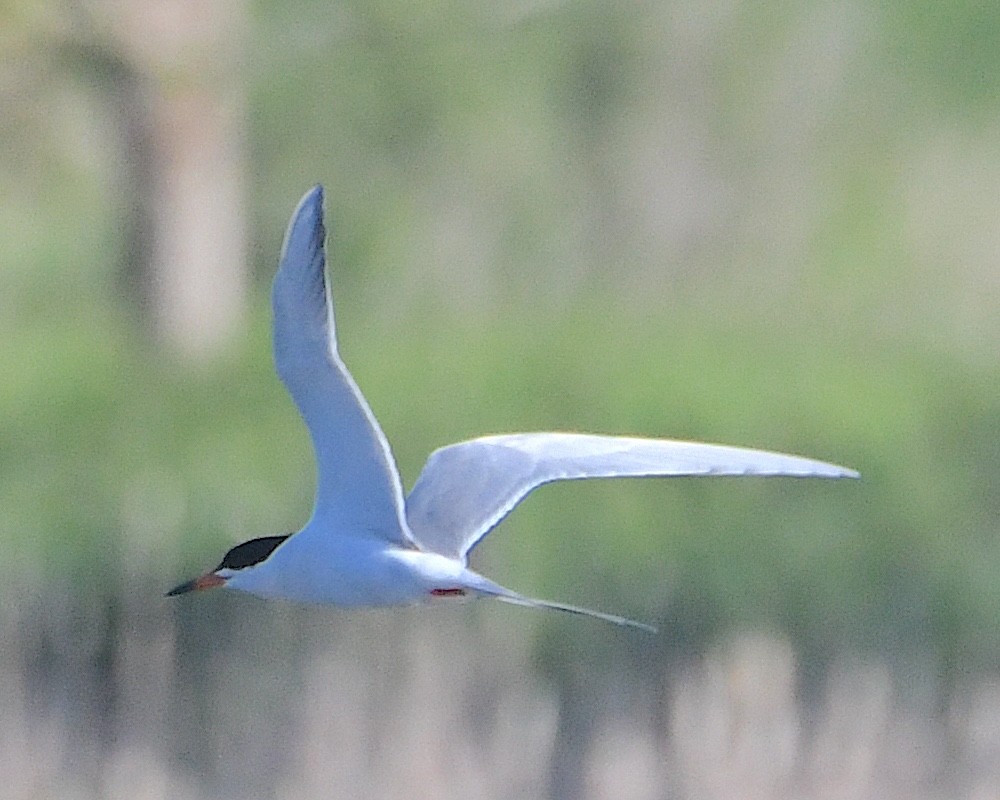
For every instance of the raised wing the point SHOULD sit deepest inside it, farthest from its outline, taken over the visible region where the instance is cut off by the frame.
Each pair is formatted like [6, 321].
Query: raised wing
[357, 488]
[465, 489]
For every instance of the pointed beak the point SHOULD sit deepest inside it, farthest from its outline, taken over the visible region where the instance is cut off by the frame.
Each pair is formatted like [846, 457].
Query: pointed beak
[207, 581]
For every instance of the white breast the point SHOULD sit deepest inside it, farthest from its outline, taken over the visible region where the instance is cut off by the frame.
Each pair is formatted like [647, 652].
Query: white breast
[348, 571]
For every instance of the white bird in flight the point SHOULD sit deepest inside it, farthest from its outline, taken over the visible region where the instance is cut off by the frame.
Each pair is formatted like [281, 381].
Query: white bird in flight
[369, 544]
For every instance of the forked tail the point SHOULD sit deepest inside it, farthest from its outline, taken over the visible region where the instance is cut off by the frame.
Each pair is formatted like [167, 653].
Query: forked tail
[530, 602]
[484, 587]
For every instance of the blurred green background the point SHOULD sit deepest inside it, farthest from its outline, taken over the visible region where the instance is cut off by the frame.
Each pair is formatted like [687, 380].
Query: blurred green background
[768, 224]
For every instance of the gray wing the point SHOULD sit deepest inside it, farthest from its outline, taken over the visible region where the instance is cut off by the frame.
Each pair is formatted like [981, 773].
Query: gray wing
[466, 489]
[358, 487]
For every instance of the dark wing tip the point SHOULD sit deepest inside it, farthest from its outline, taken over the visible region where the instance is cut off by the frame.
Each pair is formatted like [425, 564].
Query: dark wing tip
[309, 212]
[314, 197]
[305, 233]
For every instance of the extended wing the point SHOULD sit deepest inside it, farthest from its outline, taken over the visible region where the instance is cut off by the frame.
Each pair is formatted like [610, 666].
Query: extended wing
[358, 487]
[465, 489]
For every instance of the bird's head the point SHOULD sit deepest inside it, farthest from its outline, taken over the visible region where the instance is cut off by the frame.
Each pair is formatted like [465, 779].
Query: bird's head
[242, 557]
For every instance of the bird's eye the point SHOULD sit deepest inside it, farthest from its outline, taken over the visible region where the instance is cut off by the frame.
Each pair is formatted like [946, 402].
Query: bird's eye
[250, 553]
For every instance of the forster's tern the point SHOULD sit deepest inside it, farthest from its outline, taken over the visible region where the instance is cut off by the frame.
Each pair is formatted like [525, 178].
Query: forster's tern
[367, 544]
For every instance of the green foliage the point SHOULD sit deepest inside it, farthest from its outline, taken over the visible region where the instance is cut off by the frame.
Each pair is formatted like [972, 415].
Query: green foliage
[718, 224]
[117, 458]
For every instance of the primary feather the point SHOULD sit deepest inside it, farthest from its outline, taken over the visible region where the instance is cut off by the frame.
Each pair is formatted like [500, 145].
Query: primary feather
[466, 489]
[357, 483]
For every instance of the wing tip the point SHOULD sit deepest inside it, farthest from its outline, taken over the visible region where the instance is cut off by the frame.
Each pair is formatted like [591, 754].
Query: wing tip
[835, 471]
[308, 215]
[827, 471]
[310, 204]
[313, 196]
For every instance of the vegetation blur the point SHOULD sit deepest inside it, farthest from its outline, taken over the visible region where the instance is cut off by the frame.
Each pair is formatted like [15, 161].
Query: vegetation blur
[769, 224]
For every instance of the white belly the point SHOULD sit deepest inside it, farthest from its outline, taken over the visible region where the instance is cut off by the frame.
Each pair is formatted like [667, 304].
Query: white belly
[349, 571]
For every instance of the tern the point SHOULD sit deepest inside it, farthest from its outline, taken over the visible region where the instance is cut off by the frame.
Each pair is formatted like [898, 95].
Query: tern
[369, 544]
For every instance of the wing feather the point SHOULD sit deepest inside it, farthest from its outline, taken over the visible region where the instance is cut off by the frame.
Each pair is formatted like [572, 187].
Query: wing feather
[466, 489]
[358, 487]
